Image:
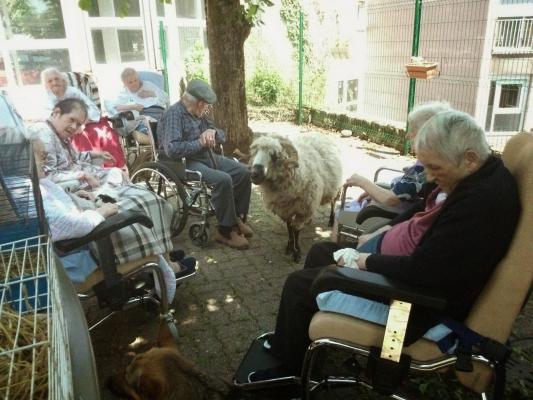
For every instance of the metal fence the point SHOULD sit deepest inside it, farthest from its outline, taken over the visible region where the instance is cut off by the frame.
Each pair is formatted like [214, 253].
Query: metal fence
[483, 49]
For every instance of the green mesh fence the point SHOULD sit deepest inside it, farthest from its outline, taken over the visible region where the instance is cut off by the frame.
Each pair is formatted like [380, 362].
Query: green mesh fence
[355, 72]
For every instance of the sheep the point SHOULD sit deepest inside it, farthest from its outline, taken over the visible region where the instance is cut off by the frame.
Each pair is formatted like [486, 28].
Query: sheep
[296, 177]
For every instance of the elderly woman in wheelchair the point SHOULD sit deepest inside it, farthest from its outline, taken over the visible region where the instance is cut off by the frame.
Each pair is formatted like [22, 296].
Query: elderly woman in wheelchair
[96, 132]
[450, 246]
[379, 203]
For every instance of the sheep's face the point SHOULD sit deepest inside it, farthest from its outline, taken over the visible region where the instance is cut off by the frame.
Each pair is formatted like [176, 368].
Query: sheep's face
[272, 157]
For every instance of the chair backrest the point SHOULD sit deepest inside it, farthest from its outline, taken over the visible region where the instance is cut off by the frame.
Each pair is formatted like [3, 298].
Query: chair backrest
[501, 300]
[86, 83]
[154, 77]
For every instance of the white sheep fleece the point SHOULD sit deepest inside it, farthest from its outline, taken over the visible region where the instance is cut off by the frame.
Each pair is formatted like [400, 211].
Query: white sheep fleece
[296, 193]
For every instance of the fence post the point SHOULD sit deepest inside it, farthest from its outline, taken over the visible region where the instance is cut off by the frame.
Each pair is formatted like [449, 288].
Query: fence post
[163, 48]
[414, 52]
[300, 65]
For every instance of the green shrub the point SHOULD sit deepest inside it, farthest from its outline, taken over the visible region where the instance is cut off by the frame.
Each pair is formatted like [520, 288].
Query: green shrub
[266, 85]
[194, 63]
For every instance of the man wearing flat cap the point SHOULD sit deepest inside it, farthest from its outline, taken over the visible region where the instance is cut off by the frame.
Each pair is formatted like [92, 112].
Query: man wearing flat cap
[185, 131]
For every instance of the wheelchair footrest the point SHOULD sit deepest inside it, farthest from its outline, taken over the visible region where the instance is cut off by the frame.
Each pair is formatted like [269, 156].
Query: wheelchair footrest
[114, 296]
[385, 375]
[258, 358]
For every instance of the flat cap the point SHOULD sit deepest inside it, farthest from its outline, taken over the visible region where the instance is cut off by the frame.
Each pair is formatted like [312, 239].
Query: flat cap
[202, 91]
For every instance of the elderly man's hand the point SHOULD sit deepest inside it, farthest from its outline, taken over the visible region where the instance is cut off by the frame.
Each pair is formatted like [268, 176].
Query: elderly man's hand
[207, 138]
[144, 93]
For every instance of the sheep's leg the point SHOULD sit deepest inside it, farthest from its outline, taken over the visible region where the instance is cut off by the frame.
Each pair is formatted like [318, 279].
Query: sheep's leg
[332, 213]
[290, 244]
[297, 253]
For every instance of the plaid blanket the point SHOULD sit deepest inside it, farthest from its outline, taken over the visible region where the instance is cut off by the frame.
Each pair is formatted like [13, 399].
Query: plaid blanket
[136, 241]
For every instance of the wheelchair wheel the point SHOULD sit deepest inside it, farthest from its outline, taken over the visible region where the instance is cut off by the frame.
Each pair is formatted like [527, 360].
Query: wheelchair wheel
[199, 234]
[162, 180]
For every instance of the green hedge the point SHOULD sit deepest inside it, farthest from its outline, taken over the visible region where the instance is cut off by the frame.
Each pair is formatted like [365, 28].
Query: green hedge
[370, 131]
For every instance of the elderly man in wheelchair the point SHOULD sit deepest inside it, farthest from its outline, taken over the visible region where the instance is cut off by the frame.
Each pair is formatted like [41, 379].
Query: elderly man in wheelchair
[184, 131]
[439, 258]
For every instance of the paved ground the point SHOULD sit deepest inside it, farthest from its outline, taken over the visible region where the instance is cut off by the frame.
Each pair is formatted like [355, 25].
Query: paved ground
[235, 294]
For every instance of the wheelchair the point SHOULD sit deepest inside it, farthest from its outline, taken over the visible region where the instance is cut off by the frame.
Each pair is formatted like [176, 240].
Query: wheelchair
[480, 368]
[121, 286]
[186, 191]
[135, 152]
[353, 223]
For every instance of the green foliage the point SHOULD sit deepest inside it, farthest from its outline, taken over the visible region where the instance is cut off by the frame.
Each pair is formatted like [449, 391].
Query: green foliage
[290, 15]
[266, 85]
[194, 63]
[253, 10]
[40, 23]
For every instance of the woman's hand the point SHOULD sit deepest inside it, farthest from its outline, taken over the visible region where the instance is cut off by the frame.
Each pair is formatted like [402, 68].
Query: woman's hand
[85, 195]
[362, 197]
[354, 180]
[91, 180]
[104, 155]
[107, 209]
[361, 261]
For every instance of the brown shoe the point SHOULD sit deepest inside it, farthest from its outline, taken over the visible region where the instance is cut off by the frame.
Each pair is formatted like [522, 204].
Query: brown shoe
[234, 240]
[244, 228]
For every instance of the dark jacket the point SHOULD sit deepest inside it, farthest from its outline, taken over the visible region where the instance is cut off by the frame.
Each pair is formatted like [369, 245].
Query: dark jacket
[458, 253]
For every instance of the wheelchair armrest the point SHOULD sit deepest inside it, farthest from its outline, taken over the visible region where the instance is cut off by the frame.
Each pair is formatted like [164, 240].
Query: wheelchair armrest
[110, 225]
[381, 169]
[375, 210]
[121, 119]
[370, 284]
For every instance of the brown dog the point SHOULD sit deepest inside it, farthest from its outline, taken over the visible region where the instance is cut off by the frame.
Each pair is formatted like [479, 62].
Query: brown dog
[163, 374]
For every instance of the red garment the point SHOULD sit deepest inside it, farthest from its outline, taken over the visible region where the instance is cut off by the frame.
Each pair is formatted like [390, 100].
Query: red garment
[100, 136]
[402, 238]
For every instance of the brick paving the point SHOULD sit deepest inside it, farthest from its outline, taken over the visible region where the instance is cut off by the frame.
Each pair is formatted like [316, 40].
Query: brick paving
[235, 294]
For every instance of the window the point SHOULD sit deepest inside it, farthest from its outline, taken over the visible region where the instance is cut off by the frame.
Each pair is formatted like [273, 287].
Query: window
[113, 45]
[131, 45]
[186, 8]
[160, 7]
[189, 38]
[510, 96]
[347, 92]
[340, 92]
[35, 19]
[111, 8]
[28, 64]
[190, 8]
[351, 94]
[98, 45]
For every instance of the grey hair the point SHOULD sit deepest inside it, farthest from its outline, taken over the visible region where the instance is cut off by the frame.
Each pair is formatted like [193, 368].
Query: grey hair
[451, 134]
[189, 98]
[127, 72]
[424, 112]
[52, 71]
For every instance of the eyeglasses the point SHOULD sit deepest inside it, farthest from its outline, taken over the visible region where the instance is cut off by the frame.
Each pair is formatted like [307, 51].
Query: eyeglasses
[208, 110]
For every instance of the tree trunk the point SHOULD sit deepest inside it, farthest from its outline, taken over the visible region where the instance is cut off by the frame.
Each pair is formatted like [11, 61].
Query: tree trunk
[226, 32]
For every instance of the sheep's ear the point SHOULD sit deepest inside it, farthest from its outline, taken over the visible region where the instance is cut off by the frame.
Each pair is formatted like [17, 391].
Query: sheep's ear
[288, 147]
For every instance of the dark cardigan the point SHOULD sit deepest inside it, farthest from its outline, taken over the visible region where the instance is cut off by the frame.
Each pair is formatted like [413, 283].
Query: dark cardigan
[458, 253]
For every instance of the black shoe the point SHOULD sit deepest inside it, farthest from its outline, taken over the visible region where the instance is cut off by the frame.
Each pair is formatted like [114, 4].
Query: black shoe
[188, 267]
[176, 255]
[269, 374]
